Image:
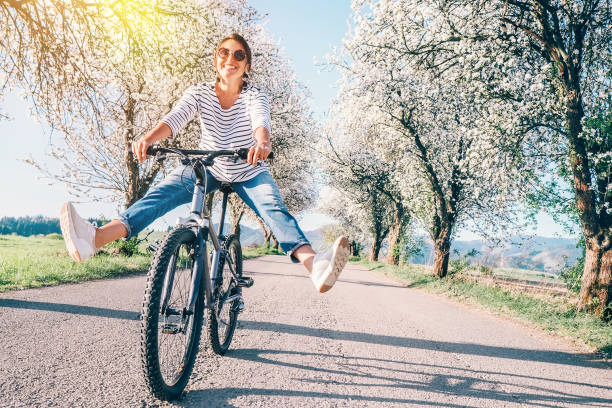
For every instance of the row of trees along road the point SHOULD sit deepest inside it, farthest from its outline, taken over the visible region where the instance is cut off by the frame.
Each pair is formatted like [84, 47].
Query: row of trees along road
[468, 107]
[103, 74]
[452, 111]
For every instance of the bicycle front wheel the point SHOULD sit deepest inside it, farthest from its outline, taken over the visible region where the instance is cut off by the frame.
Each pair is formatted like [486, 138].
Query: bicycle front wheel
[221, 320]
[169, 333]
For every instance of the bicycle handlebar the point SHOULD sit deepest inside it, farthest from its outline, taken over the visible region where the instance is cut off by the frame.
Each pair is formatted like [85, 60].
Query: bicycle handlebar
[210, 154]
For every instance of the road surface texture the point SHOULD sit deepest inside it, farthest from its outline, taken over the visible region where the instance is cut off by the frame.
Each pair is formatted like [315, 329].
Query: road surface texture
[370, 342]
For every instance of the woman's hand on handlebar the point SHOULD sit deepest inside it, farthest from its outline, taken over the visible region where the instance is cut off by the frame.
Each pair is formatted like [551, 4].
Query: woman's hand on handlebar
[139, 148]
[260, 151]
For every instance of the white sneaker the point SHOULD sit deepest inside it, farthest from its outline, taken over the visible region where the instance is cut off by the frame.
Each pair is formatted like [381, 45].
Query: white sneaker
[79, 235]
[326, 266]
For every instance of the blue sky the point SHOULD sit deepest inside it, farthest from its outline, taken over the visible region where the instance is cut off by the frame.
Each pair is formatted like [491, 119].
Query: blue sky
[306, 31]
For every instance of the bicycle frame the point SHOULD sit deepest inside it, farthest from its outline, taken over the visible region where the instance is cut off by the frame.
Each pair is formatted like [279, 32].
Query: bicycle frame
[201, 220]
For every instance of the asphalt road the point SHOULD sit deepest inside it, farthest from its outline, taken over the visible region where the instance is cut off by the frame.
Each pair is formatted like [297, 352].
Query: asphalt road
[369, 342]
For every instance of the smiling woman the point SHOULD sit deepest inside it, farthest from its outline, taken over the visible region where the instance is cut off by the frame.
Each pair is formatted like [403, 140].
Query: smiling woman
[233, 114]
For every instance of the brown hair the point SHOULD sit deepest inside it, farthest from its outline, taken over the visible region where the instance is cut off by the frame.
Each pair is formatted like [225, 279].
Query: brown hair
[245, 45]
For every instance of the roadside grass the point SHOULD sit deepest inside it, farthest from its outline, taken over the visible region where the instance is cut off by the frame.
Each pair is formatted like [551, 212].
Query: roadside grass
[520, 274]
[553, 313]
[35, 261]
[254, 252]
[30, 262]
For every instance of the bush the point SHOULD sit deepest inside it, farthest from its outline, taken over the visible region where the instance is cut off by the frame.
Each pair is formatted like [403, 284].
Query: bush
[458, 265]
[55, 236]
[125, 247]
[572, 275]
[486, 270]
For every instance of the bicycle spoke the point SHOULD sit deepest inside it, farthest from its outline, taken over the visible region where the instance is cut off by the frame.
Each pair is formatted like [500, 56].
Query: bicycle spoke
[173, 345]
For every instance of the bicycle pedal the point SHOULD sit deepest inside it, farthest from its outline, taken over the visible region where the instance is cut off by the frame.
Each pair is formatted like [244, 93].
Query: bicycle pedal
[245, 282]
[170, 329]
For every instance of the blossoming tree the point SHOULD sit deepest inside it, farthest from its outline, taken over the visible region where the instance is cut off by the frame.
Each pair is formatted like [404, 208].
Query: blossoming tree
[455, 165]
[547, 62]
[365, 174]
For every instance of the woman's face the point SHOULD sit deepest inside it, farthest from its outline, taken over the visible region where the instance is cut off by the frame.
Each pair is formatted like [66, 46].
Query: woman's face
[227, 63]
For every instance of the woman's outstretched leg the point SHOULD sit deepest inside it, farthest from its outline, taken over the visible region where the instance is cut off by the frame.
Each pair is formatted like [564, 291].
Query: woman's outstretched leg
[110, 232]
[324, 267]
[262, 195]
[83, 239]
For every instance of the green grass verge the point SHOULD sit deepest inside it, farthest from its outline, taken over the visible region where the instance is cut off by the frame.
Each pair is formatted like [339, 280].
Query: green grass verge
[554, 314]
[29, 262]
[254, 252]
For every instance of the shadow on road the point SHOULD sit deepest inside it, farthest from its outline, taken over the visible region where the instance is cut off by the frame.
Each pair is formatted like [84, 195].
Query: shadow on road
[373, 372]
[221, 397]
[547, 356]
[72, 309]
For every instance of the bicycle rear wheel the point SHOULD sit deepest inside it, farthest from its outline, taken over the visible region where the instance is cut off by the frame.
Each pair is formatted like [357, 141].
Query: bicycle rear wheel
[221, 320]
[170, 337]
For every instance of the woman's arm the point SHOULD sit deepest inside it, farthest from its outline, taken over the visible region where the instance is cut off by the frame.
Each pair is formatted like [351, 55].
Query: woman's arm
[171, 124]
[139, 147]
[260, 120]
[262, 149]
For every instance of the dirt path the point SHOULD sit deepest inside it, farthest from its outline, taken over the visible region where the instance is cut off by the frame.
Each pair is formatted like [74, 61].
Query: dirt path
[368, 342]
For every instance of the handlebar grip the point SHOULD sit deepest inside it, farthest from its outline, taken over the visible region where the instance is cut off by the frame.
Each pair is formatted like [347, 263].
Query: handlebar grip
[152, 150]
[244, 153]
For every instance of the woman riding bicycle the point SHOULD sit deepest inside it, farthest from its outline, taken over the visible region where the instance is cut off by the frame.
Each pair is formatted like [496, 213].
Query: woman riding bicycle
[233, 114]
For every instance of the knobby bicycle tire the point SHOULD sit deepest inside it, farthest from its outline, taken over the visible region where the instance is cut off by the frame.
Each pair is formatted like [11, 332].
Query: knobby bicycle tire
[156, 333]
[219, 334]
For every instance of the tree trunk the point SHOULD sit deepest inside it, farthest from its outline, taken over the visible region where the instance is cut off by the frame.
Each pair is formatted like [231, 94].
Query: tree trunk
[132, 193]
[376, 245]
[266, 232]
[355, 248]
[442, 245]
[210, 202]
[597, 278]
[275, 242]
[375, 251]
[236, 210]
[395, 234]
[441, 255]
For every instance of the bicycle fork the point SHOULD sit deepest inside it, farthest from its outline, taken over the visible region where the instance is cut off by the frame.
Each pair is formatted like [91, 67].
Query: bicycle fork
[200, 268]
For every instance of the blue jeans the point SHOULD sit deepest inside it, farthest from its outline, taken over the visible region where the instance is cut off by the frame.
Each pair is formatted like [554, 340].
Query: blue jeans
[260, 193]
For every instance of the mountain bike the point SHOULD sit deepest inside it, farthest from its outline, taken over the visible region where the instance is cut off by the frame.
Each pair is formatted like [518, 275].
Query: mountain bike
[188, 288]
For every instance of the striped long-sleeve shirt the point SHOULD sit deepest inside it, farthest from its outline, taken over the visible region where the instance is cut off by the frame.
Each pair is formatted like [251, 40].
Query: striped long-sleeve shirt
[223, 128]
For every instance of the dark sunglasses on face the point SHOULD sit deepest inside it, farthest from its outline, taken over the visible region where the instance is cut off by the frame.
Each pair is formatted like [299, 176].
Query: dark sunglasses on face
[239, 55]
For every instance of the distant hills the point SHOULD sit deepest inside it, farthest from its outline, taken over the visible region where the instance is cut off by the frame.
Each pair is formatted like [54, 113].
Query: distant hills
[536, 253]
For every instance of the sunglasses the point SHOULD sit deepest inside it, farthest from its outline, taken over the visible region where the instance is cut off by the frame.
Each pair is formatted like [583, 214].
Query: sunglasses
[223, 53]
